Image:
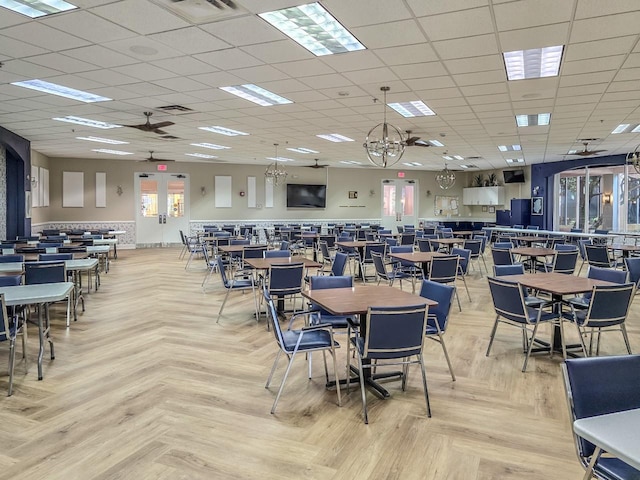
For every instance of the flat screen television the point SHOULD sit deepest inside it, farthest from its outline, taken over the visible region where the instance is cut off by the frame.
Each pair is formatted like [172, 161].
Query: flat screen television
[513, 176]
[306, 196]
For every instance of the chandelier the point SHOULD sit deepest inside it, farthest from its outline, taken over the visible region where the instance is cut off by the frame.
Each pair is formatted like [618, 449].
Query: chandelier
[446, 178]
[275, 173]
[634, 158]
[384, 143]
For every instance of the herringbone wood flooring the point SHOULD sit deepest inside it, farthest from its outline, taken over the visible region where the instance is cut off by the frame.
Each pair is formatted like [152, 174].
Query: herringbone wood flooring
[146, 385]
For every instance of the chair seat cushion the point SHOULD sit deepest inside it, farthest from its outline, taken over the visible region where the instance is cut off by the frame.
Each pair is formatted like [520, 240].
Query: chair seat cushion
[336, 321]
[241, 283]
[581, 317]
[579, 302]
[310, 340]
[615, 469]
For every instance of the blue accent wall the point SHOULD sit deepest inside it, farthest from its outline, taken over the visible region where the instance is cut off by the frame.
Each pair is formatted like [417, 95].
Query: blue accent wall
[542, 178]
[18, 175]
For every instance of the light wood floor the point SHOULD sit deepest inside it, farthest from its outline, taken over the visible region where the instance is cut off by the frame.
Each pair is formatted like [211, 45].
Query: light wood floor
[147, 386]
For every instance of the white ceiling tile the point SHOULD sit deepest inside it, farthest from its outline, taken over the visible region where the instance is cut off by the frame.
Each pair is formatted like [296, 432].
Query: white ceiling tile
[258, 74]
[357, 13]
[626, 86]
[613, 62]
[28, 70]
[228, 59]
[608, 26]
[600, 48]
[468, 23]
[108, 77]
[479, 78]
[434, 7]
[420, 70]
[88, 26]
[304, 68]
[180, 84]
[184, 66]
[466, 47]
[536, 37]
[364, 76]
[43, 36]
[144, 71]
[218, 79]
[404, 32]
[143, 49]
[141, 16]
[100, 56]
[475, 64]
[276, 52]
[345, 62]
[189, 40]
[326, 81]
[593, 8]
[599, 77]
[62, 63]
[249, 30]
[433, 82]
[285, 86]
[407, 54]
[531, 13]
[484, 90]
[12, 48]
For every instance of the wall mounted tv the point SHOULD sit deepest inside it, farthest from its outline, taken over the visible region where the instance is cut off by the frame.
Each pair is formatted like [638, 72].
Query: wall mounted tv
[306, 196]
[513, 176]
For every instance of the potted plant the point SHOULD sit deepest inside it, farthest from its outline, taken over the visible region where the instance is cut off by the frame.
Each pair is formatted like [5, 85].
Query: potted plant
[493, 179]
[477, 180]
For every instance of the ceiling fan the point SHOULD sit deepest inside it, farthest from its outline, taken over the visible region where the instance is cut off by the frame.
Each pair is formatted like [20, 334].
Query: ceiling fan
[151, 127]
[152, 159]
[415, 141]
[316, 165]
[586, 152]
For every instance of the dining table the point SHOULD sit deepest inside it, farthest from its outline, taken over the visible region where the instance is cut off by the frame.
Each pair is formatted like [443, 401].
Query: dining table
[558, 285]
[533, 253]
[626, 250]
[615, 433]
[356, 301]
[419, 258]
[40, 295]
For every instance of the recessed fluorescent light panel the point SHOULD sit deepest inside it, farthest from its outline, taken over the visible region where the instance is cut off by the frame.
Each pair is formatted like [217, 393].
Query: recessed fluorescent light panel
[534, 63]
[350, 162]
[539, 119]
[256, 94]
[37, 8]
[86, 122]
[200, 155]
[314, 28]
[223, 131]
[412, 164]
[302, 150]
[571, 152]
[417, 108]
[436, 143]
[335, 137]
[509, 148]
[514, 160]
[212, 146]
[627, 128]
[61, 91]
[102, 140]
[447, 157]
[111, 152]
[458, 157]
[468, 166]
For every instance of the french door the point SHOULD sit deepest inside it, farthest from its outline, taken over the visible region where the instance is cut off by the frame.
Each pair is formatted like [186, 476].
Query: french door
[399, 203]
[162, 208]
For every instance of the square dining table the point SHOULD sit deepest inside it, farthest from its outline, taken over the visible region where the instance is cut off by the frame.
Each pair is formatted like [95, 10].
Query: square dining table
[356, 301]
[40, 295]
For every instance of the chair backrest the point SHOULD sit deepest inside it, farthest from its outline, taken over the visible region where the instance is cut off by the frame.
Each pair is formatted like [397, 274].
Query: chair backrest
[508, 300]
[47, 257]
[394, 332]
[633, 267]
[392, 242]
[400, 228]
[253, 252]
[50, 231]
[11, 258]
[378, 263]
[4, 321]
[565, 247]
[272, 315]
[443, 294]
[223, 272]
[424, 245]
[519, 226]
[504, 270]
[609, 305]
[576, 230]
[601, 232]
[320, 282]
[10, 280]
[324, 250]
[402, 249]
[384, 231]
[373, 247]
[483, 239]
[339, 264]
[276, 253]
[581, 244]
[474, 246]
[607, 274]
[444, 269]
[284, 245]
[599, 386]
[501, 256]
[597, 255]
[239, 241]
[49, 272]
[465, 258]
[565, 261]
[533, 227]
[286, 279]
[446, 232]
[50, 244]
[503, 245]
[408, 239]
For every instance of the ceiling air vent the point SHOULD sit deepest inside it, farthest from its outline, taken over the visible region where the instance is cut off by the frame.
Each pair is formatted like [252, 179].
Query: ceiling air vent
[175, 109]
[203, 11]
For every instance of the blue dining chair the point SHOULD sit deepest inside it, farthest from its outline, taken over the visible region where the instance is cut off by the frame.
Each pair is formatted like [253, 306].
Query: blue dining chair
[10, 328]
[438, 316]
[241, 283]
[598, 386]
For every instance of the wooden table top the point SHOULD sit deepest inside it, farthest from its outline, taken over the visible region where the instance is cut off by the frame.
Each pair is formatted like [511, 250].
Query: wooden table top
[626, 248]
[354, 243]
[358, 299]
[533, 251]
[529, 238]
[265, 263]
[417, 257]
[557, 283]
[239, 248]
[448, 241]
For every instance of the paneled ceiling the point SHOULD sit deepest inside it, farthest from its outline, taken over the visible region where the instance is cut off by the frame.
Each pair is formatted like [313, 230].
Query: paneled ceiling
[147, 54]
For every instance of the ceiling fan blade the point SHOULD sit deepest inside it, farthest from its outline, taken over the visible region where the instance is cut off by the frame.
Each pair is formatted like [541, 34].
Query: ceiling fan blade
[412, 140]
[421, 143]
[158, 125]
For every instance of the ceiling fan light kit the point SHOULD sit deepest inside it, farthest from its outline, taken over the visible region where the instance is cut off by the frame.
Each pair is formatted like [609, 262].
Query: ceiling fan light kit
[446, 178]
[275, 173]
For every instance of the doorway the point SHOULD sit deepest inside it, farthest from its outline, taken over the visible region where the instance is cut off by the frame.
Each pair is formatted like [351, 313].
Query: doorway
[399, 203]
[162, 208]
